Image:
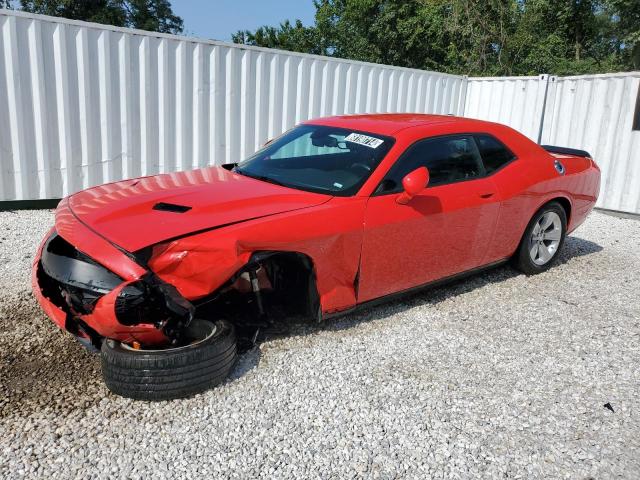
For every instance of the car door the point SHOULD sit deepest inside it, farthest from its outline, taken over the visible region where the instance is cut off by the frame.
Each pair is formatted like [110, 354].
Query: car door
[444, 230]
[498, 161]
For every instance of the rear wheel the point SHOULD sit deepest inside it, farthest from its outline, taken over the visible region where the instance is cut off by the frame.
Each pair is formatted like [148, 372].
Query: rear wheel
[146, 374]
[542, 240]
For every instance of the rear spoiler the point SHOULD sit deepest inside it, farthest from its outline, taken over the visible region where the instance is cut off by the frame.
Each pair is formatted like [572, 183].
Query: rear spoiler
[566, 151]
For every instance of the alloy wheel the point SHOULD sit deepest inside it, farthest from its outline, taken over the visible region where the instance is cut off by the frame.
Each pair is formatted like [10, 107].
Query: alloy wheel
[545, 238]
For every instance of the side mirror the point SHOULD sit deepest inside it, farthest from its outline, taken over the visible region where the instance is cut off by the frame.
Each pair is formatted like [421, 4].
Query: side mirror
[413, 183]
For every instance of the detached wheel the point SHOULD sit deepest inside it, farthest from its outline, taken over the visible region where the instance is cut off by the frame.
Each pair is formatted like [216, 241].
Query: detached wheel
[542, 239]
[173, 372]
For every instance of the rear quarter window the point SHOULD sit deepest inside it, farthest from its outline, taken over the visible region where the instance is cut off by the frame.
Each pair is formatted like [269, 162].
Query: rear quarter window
[494, 153]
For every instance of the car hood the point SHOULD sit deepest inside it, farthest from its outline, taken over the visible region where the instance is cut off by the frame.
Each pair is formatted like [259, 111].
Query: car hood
[134, 214]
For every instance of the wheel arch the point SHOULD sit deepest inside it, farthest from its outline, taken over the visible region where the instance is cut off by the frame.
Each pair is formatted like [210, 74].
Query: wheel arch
[297, 267]
[305, 264]
[565, 203]
[517, 259]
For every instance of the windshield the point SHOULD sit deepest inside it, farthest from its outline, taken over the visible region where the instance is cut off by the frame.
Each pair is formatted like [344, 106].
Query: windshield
[321, 159]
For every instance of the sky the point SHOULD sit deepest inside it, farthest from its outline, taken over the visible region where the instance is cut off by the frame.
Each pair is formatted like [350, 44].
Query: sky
[218, 19]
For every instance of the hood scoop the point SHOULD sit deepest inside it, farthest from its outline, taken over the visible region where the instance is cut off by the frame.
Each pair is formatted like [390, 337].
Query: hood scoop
[181, 203]
[171, 207]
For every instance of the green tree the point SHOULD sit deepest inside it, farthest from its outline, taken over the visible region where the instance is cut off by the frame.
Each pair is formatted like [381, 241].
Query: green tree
[476, 37]
[625, 16]
[384, 31]
[99, 11]
[565, 37]
[293, 37]
[407, 34]
[480, 36]
[153, 15]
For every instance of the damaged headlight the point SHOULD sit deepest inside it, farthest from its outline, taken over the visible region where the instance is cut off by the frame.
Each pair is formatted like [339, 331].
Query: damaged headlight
[134, 305]
[150, 300]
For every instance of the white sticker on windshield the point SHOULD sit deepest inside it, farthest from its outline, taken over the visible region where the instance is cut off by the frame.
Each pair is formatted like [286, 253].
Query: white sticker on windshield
[365, 140]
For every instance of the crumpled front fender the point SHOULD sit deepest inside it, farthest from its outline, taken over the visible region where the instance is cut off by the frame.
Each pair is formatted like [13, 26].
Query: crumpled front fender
[198, 265]
[89, 292]
[330, 235]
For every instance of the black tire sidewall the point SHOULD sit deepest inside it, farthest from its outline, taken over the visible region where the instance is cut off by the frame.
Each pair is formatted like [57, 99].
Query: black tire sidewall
[171, 373]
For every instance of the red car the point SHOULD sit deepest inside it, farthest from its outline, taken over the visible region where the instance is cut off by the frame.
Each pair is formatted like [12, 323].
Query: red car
[166, 273]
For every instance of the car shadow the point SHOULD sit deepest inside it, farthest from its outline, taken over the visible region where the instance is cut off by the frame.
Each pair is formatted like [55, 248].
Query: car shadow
[52, 367]
[247, 361]
[574, 247]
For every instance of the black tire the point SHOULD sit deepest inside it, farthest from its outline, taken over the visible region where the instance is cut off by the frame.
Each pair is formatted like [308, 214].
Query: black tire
[173, 372]
[522, 259]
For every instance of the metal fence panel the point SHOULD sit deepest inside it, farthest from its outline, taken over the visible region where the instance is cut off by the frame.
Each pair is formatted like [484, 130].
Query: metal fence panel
[595, 113]
[514, 101]
[83, 104]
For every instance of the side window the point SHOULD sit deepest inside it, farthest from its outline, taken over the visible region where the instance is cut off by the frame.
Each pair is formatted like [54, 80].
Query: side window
[449, 159]
[494, 154]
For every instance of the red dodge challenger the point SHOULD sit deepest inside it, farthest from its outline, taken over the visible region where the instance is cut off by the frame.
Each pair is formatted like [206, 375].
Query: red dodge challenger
[167, 274]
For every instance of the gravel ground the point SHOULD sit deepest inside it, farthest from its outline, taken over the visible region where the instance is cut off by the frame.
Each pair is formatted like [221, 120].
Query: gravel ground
[498, 375]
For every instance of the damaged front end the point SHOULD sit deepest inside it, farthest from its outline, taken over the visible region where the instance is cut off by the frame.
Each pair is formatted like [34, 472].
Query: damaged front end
[92, 302]
[150, 298]
[72, 278]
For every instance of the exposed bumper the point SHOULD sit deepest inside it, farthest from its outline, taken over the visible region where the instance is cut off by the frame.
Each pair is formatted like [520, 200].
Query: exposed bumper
[102, 322]
[97, 319]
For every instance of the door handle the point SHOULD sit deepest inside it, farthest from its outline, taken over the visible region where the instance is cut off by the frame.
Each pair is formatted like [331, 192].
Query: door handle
[487, 195]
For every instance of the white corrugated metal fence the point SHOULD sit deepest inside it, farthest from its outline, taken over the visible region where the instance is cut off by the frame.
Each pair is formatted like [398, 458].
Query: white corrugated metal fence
[589, 112]
[595, 113]
[83, 104]
[515, 101]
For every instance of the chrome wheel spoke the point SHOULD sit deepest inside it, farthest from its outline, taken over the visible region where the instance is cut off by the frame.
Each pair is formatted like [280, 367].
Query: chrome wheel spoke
[553, 235]
[545, 238]
[533, 252]
[536, 229]
[543, 253]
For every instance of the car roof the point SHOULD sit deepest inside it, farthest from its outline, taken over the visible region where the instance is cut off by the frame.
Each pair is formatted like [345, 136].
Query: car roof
[392, 123]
